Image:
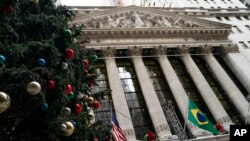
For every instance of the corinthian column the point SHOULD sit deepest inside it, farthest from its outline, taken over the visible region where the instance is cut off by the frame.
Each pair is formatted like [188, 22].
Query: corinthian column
[177, 90]
[153, 104]
[118, 96]
[228, 85]
[205, 90]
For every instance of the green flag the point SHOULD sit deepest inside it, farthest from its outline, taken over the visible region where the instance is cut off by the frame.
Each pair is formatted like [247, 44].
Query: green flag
[199, 119]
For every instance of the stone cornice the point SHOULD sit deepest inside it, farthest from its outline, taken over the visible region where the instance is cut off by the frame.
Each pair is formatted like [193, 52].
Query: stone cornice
[156, 32]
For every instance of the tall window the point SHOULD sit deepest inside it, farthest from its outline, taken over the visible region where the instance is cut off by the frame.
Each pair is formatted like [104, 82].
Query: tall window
[161, 87]
[237, 29]
[136, 103]
[218, 90]
[189, 86]
[103, 113]
[243, 44]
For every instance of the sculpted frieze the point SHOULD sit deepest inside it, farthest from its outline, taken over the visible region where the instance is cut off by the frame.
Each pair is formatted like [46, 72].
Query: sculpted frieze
[134, 19]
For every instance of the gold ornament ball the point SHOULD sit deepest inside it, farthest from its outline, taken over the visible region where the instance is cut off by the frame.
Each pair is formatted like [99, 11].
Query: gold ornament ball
[91, 100]
[69, 129]
[33, 88]
[35, 2]
[4, 102]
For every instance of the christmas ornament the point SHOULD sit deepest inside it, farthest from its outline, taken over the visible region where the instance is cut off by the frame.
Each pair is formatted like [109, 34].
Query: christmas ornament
[96, 140]
[67, 14]
[91, 115]
[64, 66]
[44, 107]
[34, 2]
[68, 89]
[2, 59]
[96, 104]
[33, 88]
[69, 129]
[63, 127]
[74, 123]
[67, 111]
[94, 58]
[67, 33]
[79, 96]
[41, 62]
[150, 136]
[78, 109]
[71, 95]
[85, 63]
[69, 53]
[51, 84]
[4, 101]
[8, 8]
[91, 100]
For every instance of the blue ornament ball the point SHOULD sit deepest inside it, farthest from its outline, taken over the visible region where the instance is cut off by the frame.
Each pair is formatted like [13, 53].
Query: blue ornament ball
[44, 107]
[74, 123]
[2, 59]
[41, 62]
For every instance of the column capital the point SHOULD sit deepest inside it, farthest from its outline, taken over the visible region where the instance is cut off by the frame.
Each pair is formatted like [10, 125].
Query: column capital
[230, 48]
[160, 50]
[183, 49]
[206, 49]
[135, 51]
[108, 52]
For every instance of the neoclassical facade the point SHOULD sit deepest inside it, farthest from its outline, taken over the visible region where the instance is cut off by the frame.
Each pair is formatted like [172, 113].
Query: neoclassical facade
[151, 58]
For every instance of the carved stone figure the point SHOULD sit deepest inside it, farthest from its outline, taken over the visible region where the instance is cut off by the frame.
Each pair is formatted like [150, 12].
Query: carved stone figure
[138, 21]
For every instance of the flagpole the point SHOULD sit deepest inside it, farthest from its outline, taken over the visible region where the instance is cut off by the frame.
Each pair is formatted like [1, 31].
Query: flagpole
[186, 118]
[111, 120]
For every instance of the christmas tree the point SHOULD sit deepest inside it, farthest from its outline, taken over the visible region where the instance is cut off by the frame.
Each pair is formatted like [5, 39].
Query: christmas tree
[45, 76]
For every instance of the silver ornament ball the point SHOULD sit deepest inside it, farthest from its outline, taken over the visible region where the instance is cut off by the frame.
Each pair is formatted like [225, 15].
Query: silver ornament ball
[33, 88]
[67, 111]
[4, 102]
[64, 66]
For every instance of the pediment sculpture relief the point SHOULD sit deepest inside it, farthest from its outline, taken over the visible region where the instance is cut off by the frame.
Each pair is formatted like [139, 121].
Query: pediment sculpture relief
[135, 19]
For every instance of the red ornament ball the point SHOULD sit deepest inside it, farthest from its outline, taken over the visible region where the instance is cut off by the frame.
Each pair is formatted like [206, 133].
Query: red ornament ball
[69, 53]
[96, 140]
[51, 84]
[68, 89]
[151, 136]
[78, 109]
[85, 63]
[8, 8]
[96, 104]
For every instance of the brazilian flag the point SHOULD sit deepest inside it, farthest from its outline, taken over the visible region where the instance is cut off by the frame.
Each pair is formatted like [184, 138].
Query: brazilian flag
[199, 119]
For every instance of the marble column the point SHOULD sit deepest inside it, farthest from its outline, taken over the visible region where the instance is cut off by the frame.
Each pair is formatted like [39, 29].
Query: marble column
[238, 63]
[118, 96]
[205, 90]
[153, 104]
[177, 90]
[228, 85]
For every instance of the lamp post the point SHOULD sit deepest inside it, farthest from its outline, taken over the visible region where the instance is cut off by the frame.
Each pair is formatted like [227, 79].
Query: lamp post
[248, 99]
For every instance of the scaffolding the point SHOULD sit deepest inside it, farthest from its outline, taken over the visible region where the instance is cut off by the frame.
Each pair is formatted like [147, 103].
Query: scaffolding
[174, 121]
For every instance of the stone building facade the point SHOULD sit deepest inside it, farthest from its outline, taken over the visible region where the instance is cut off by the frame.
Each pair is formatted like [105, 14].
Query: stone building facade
[151, 58]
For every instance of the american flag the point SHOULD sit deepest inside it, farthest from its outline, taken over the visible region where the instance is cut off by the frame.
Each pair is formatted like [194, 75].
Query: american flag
[116, 130]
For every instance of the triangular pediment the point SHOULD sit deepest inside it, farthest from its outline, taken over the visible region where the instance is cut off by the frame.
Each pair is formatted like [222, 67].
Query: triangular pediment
[140, 17]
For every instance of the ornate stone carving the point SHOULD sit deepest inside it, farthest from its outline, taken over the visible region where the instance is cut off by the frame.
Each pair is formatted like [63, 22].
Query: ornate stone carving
[135, 19]
[230, 48]
[160, 50]
[206, 49]
[108, 52]
[134, 51]
[183, 49]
